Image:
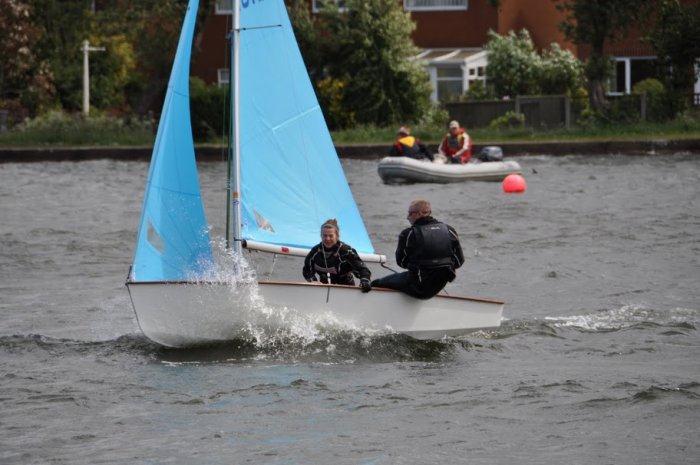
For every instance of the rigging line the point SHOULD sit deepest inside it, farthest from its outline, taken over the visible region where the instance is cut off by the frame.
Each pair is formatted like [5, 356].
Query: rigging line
[252, 28]
[384, 265]
[325, 260]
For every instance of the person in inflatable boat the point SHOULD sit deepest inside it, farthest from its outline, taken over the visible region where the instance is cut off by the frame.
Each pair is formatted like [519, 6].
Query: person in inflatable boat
[429, 250]
[456, 146]
[408, 146]
[334, 261]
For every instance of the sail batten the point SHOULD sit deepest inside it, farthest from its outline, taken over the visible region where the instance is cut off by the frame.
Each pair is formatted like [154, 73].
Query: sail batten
[173, 238]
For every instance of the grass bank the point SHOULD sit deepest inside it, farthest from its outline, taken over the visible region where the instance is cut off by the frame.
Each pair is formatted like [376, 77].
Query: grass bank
[60, 130]
[682, 128]
[57, 129]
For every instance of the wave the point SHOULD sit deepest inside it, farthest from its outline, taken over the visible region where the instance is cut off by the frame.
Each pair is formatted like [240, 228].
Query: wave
[129, 343]
[332, 347]
[653, 393]
[629, 317]
[331, 344]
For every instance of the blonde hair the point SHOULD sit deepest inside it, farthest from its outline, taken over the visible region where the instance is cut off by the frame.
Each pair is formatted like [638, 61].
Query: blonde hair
[420, 206]
[331, 223]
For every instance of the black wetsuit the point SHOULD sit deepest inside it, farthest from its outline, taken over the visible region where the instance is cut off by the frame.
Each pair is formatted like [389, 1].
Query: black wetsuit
[340, 261]
[431, 252]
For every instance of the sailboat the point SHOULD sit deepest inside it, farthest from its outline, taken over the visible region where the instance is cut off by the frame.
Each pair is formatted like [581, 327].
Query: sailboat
[284, 180]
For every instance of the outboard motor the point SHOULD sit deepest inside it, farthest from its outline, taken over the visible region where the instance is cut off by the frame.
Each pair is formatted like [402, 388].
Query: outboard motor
[490, 153]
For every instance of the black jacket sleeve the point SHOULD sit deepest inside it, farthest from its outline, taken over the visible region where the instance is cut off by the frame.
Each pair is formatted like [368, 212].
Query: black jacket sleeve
[457, 254]
[403, 248]
[359, 268]
[308, 270]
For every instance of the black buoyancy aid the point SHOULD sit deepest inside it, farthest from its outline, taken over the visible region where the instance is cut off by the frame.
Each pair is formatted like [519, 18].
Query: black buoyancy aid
[433, 245]
[330, 262]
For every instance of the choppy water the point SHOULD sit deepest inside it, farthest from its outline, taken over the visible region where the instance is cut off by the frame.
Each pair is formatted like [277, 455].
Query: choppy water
[598, 361]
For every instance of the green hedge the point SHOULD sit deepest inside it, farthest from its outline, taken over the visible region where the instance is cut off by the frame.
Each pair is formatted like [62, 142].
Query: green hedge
[57, 128]
[209, 110]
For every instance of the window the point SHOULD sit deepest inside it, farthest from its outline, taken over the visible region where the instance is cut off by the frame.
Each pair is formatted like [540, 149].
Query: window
[629, 71]
[435, 5]
[448, 82]
[223, 7]
[317, 5]
[222, 76]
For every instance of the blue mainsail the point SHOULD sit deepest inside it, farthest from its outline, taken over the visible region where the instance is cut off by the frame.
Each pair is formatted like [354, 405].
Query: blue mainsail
[173, 239]
[291, 178]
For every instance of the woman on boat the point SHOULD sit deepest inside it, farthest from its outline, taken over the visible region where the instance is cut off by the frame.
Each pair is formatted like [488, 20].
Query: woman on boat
[334, 261]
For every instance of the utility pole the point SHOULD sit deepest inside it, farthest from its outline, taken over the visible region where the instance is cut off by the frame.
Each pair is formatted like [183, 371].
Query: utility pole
[86, 74]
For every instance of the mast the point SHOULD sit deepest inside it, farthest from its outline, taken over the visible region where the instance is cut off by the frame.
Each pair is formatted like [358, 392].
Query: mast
[233, 189]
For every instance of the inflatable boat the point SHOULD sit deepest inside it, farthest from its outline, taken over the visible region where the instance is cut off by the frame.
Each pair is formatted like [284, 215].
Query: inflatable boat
[487, 166]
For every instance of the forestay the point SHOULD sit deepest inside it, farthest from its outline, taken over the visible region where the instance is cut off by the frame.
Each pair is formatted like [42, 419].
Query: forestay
[291, 178]
[173, 241]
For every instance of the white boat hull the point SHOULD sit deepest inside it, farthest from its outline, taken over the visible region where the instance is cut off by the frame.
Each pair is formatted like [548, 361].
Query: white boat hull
[409, 170]
[186, 314]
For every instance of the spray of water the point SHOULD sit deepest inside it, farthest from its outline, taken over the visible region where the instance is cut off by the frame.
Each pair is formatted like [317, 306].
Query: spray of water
[265, 324]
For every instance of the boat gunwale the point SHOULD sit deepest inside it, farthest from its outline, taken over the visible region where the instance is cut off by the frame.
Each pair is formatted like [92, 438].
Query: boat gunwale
[295, 283]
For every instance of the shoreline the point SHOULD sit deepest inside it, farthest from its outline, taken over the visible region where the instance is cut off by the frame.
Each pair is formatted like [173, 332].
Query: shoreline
[366, 151]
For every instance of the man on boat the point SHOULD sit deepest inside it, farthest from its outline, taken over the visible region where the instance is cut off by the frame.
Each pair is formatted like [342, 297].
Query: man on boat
[429, 250]
[334, 261]
[456, 146]
[408, 146]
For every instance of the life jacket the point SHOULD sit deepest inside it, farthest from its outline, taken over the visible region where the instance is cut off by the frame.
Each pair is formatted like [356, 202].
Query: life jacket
[451, 145]
[433, 245]
[408, 146]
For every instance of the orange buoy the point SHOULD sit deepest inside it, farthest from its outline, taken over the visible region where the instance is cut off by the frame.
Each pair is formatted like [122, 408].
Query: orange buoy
[514, 184]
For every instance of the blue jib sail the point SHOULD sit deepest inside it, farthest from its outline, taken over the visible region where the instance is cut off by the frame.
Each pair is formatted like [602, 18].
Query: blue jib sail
[291, 178]
[173, 239]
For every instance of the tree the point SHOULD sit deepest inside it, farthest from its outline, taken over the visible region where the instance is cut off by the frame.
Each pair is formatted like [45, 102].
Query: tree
[151, 28]
[560, 71]
[25, 80]
[308, 30]
[63, 27]
[676, 40]
[371, 55]
[592, 23]
[515, 67]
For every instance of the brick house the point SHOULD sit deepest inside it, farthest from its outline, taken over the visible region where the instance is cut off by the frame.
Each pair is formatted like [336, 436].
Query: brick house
[451, 35]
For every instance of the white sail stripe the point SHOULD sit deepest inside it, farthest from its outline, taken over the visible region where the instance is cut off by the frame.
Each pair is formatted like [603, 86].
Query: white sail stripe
[297, 117]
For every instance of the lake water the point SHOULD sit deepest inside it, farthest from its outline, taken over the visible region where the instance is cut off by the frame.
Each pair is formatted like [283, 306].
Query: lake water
[597, 361]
